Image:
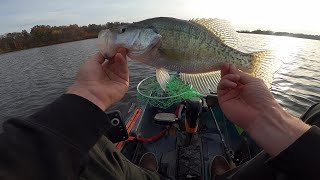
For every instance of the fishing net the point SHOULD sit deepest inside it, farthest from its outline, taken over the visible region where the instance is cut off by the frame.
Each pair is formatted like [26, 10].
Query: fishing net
[176, 91]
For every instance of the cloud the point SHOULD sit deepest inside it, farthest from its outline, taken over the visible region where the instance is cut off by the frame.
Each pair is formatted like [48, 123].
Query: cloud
[16, 15]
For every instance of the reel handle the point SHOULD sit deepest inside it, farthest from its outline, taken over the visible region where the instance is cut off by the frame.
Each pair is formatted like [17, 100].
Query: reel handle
[193, 110]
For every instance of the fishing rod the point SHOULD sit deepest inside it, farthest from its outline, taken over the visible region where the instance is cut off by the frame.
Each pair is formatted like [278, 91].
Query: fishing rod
[212, 100]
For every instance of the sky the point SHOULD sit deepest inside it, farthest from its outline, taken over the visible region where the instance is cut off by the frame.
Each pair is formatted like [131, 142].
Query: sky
[297, 16]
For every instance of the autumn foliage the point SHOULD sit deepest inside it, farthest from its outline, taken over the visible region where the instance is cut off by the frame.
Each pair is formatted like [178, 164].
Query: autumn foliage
[42, 35]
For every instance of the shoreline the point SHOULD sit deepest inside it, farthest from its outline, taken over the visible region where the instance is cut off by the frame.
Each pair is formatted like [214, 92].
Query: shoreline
[44, 45]
[259, 32]
[283, 34]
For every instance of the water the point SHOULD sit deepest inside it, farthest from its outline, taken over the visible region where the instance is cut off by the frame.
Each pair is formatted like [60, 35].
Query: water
[32, 78]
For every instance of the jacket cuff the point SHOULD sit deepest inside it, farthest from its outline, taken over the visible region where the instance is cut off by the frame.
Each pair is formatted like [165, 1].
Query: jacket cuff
[74, 119]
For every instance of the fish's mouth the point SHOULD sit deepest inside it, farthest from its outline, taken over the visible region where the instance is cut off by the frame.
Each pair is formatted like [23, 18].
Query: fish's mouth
[106, 43]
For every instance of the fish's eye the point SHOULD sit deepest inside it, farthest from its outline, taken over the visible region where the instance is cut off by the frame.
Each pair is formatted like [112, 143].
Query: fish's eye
[122, 30]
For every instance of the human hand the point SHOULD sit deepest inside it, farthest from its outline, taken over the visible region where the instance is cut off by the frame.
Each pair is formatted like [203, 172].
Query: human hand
[243, 98]
[247, 101]
[102, 82]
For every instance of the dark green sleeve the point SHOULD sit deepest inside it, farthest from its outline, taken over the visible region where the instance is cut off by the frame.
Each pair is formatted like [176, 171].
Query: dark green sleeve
[52, 143]
[301, 160]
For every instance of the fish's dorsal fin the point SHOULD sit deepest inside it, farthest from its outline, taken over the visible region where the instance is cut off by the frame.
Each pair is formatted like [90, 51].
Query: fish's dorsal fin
[163, 77]
[222, 29]
[204, 83]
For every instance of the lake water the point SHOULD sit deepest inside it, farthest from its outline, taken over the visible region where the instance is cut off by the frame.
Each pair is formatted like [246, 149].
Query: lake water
[32, 78]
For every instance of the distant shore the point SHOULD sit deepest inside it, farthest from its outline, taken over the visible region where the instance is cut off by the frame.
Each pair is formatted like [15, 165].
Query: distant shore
[44, 35]
[297, 35]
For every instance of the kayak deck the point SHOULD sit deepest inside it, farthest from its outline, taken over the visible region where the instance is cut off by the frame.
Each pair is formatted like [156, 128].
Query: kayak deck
[177, 159]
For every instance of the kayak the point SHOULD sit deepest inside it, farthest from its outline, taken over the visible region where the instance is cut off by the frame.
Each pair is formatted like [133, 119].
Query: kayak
[185, 137]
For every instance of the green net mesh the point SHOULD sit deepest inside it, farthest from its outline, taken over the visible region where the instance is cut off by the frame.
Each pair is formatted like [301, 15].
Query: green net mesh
[177, 90]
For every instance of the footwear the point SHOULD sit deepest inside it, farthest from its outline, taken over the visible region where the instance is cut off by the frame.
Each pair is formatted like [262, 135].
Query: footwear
[149, 161]
[218, 166]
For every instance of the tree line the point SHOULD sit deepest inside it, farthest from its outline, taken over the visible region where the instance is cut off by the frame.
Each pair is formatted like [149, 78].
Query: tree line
[43, 35]
[297, 35]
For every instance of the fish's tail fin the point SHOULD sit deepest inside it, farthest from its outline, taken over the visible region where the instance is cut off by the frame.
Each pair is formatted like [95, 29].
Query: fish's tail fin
[264, 66]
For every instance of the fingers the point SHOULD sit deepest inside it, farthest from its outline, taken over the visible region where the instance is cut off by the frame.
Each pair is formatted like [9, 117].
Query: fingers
[244, 77]
[121, 57]
[101, 59]
[98, 57]
[231, 69]
[225, 69]
[122, 51]
[228, 81]
[117, 65]
[122, 62]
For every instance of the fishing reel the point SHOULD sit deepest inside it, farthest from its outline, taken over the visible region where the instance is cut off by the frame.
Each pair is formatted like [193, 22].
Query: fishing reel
[193, 109]
[212, 100]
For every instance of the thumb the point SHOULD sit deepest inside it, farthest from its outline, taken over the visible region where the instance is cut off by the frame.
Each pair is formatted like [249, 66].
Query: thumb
[225, 68]
[98, 57]
[123, 52]
[120, 59]
[244, 77]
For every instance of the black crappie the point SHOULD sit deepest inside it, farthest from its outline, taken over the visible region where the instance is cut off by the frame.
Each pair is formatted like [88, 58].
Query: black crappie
[195, 48]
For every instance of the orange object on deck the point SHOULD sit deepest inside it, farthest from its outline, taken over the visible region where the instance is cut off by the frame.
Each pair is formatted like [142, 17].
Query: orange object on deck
[130, 124]
[189, 129]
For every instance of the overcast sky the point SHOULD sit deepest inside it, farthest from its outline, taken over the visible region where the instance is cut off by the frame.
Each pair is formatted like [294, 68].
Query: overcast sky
[276, 15]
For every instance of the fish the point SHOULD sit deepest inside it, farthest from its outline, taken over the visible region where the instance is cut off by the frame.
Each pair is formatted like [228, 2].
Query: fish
[195, 48]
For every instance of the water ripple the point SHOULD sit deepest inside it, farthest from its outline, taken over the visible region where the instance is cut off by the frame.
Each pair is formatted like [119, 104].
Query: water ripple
[33, 78]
